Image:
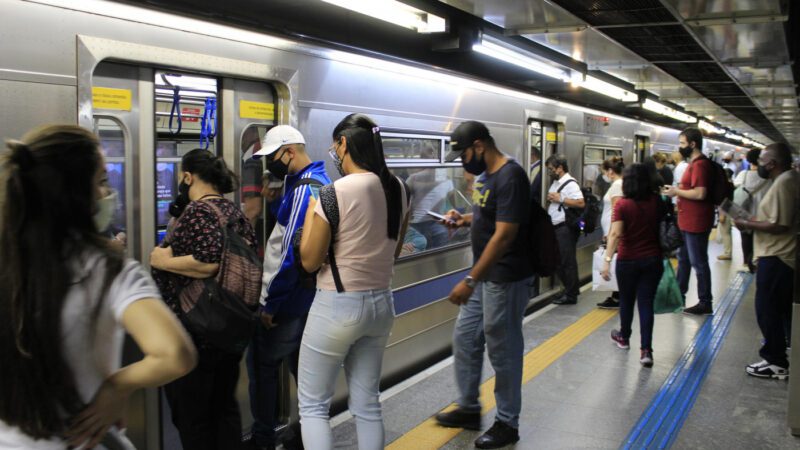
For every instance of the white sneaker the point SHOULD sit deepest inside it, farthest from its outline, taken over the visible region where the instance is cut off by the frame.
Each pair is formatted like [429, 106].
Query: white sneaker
[764, 369]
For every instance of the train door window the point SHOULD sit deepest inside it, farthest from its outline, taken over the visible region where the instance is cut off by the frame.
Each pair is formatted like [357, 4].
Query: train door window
[434, 186]
[642, 147]
[260, 194]
[112, 143]
[185, 119]
[593, 157]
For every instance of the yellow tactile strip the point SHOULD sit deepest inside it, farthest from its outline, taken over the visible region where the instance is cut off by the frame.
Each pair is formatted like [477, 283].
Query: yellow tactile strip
[428, 435]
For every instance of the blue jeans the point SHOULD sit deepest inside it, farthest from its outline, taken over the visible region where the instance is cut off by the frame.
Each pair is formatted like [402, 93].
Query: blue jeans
[693, 254]
[774, 289]
[492, 316]
[267, 350]
[434, 232]
[638, 280]
[349, 328]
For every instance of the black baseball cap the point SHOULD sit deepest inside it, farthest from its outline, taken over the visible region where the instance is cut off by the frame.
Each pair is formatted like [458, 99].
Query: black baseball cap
[463, 136]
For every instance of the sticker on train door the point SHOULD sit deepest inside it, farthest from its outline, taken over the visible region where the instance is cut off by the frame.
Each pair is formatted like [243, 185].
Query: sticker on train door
[110, 98]
[256, 110]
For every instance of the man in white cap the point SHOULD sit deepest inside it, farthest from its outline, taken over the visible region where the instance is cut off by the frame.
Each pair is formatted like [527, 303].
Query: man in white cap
[285, 297]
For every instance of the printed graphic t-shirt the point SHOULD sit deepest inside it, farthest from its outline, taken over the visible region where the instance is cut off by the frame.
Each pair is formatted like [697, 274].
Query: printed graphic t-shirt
[503, 196]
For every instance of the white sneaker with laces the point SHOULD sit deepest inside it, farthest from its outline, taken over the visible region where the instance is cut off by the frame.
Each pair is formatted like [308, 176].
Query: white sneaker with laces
[763, 369]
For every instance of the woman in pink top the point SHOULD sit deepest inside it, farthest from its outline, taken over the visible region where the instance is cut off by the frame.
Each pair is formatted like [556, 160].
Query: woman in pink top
[634, 234]
[353, 309]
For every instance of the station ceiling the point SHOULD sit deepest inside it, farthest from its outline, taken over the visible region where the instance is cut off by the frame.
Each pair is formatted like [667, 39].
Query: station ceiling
[731, 61]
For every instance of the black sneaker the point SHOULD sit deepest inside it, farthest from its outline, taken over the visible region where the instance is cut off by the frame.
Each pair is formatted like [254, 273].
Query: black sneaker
[764, 369]
[621, 342]
[564, 300]
[498, 436]
[458, 418]
[700, 309]
[646, 358]
[608, 303]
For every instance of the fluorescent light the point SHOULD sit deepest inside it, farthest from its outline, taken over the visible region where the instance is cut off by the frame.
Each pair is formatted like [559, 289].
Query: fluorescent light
[603, 87]
[709, 127]
[187, 82]
[664, 110]
[733, 136]
[493, 48]
[395, 12]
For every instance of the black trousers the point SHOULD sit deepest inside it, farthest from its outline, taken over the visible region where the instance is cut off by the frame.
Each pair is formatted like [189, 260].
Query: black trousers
[747, 247]
[774, 289]
[203, 403]
[568, 269]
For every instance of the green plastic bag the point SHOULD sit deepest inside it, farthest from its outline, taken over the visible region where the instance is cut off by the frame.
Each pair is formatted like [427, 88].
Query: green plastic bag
[668, 295]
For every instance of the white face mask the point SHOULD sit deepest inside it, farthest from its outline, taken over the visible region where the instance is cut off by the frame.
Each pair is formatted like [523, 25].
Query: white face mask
[106, 207]
[606, 178]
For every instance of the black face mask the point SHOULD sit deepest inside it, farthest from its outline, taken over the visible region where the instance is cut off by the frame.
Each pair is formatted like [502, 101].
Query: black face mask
[474, 166]
[277, 167]
[177, 206]
[685, 151]
[763, 172]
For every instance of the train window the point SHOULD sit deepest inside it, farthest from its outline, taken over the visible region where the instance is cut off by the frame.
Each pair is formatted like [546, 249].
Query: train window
[593, 157]
[112, 142]
[411, 148]
[434, 186]
[252, 182]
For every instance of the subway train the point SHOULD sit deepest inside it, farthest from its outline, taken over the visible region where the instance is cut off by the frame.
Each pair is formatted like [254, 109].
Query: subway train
[155, 85]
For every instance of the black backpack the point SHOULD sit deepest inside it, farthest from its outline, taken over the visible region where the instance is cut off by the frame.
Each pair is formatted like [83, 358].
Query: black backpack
[721, 188]
[543, 253]
[584, 219]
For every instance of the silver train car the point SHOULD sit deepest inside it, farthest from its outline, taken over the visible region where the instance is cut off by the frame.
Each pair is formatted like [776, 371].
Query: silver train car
[154, 85]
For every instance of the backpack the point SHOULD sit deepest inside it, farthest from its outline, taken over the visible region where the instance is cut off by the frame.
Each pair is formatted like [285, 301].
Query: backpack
[543, 253]
[721, 188]
[744, 197]
[220, 310]
[582, 219]
[669, 235]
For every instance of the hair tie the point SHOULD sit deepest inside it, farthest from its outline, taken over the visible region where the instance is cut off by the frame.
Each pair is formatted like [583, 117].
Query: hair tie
[21, 155]
[376, 130]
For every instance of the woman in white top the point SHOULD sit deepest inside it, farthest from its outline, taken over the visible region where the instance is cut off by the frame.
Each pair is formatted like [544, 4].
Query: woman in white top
[612, 171]
[351, 326]
[67, 296]
[754, 187]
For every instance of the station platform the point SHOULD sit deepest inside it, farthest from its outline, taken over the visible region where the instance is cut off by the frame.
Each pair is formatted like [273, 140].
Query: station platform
[582, 392]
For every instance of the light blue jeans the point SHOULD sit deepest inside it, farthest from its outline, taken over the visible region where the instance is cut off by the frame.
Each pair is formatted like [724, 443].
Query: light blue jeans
[492, 316]
[349, 328]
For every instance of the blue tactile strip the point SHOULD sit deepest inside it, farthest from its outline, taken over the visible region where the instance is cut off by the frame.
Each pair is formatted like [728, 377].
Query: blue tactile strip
[661, 422]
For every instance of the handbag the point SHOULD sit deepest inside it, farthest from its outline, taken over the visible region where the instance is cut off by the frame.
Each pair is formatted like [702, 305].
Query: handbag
[669, 235]
[220, 310]
[743, 197]
[668, 297]
[598, 282]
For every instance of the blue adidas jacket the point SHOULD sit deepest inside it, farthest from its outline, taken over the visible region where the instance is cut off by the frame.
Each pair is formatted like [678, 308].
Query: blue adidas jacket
[281, 294]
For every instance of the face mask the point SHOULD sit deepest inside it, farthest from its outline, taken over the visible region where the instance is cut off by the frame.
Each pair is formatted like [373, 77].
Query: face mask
[685, 151]
[177, 206]
[337, 162]
[277, 167]
[106, 207]
[763, 172]
[552, 174]
[606, 178]
[475, 166]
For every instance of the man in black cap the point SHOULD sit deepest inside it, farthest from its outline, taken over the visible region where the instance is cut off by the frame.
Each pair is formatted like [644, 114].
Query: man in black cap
[494, 295]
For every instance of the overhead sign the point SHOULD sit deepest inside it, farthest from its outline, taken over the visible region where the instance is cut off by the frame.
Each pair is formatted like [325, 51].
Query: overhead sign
[110, 98]
[256, 110]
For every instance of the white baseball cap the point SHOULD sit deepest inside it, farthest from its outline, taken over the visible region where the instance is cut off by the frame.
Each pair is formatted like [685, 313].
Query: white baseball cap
[277, 137]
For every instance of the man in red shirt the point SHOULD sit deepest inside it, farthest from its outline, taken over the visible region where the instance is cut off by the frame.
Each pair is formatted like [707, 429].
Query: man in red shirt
[695, 219]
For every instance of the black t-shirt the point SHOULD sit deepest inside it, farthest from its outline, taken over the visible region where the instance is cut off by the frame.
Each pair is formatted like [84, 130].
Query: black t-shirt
[503, 196]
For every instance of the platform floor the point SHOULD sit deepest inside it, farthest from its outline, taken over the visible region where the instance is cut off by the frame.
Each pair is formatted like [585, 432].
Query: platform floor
[594, 393]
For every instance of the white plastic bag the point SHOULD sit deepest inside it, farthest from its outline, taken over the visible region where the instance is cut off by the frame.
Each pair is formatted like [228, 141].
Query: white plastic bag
[598, 282]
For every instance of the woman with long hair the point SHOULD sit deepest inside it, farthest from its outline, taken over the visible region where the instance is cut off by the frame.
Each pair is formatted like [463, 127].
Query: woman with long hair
[67, 297]
[203, 403]
[634, 234]
[350, 324]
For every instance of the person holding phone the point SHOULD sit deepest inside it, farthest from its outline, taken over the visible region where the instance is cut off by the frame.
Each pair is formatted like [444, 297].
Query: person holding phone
[285, 300]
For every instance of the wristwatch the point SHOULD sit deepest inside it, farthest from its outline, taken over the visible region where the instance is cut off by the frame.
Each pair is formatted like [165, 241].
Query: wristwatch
[470, 282]
[607, 259]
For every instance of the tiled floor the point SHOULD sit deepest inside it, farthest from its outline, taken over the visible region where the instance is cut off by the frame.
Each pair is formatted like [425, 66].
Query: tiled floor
[592, 396]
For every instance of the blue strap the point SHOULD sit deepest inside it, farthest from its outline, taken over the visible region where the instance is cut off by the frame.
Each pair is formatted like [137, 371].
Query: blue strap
[176, 109]
[208, 123]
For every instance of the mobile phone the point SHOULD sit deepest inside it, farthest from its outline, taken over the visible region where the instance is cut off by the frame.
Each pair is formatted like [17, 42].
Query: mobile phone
[440, 217]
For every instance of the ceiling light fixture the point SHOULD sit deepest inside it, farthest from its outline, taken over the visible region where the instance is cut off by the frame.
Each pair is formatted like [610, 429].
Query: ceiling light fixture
[603, 87]
[664, 110]
[397, 13]
[496, 49]
[710, 127]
